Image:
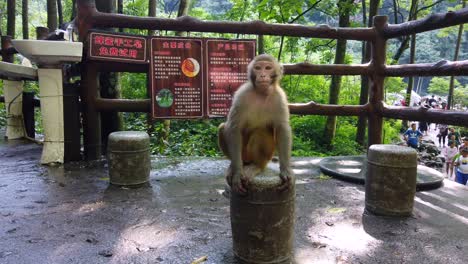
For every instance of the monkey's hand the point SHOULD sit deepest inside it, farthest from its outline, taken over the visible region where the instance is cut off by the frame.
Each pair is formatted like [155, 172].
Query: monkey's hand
[287, 179]
[239, 183]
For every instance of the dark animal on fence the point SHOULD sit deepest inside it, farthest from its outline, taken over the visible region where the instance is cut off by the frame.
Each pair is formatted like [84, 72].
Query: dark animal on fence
[258, 122]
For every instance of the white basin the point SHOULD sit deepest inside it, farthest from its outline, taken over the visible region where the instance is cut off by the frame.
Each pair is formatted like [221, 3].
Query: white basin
[12, 71]
[46, 52]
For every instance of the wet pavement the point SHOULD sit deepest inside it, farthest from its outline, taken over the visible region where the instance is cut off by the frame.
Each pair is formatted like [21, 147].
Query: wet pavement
[70, 214]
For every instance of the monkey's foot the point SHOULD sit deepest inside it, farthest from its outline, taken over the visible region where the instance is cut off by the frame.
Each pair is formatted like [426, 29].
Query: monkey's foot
[228, 175]
[227, 191]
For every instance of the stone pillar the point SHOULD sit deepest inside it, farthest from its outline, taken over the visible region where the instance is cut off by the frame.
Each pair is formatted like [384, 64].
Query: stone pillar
[263, 222]
[391, 180]
[51, 94]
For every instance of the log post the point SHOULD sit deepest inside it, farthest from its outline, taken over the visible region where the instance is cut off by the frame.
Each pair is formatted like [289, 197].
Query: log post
[379, 45]
[91, 117]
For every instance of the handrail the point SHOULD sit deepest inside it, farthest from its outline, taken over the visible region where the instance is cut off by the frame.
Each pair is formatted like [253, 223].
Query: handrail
[441, 68]
[434, 21]
[440, 116]
[326, 69]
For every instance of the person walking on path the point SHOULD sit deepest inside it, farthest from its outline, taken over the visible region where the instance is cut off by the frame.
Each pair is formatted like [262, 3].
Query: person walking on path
[423, 127]
[412, 136]
[465, 142]
[432, 102]
[455, 136]
[449, 154]
[443, 132]
[461, 163]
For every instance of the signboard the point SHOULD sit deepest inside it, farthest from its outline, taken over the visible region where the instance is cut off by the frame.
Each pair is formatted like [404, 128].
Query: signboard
[176, 66]
[227, 63]
[194, 78]
[117, 47]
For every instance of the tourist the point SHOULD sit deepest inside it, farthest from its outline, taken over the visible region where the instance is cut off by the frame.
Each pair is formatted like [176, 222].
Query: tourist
[461, 175]
[455, 136]
[449, 153]
[443, 131]
[465, 142]
[423, 127]
[432, 102]
[412, 136]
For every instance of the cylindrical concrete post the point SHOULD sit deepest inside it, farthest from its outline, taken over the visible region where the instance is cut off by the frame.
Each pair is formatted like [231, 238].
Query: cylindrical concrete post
[390, 180]
[129, 158]
[263, 222]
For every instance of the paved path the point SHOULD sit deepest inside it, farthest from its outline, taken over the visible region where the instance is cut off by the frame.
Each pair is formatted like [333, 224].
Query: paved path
[70, 214]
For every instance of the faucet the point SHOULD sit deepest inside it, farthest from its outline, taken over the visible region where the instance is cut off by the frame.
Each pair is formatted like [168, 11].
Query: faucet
[67, 34]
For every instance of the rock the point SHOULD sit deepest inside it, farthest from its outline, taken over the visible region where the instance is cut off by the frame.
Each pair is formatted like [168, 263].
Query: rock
[106, 253]
[425, 156]
[432, 149]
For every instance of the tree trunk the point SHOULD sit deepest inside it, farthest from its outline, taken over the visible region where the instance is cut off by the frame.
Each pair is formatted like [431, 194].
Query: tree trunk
[404, 44]
[261, 44]
[183, 11]
[109, 86]
[52, 15]
[25, 19]
[183, 8]
[60, 12]
[261, 38]
[366, 53]
[120, 11]
[73, 14]
[455, 58]
[411, 78]
[151, 13]
[11, 18]
[330, 127]
[149, 118]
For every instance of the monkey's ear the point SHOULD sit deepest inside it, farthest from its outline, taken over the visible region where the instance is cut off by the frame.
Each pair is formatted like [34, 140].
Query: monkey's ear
[281, 69]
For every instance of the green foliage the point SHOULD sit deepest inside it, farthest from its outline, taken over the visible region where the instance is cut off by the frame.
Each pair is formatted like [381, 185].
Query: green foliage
[460, 96]
[391, 131]
[394, 84]
[440, 86]
[308, 136]
[133, 85]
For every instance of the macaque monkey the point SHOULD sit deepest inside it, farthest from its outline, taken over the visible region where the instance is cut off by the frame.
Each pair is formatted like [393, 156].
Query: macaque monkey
[258, 122]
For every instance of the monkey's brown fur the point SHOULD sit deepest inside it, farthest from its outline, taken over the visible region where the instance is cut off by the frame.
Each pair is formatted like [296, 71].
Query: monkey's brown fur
[257, 124]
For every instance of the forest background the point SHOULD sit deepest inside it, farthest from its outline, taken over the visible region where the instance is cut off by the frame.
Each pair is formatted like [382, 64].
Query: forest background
[313, 135]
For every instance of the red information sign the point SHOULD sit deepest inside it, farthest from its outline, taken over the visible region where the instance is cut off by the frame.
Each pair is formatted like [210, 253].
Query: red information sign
[227, 62]
[176, 68]
[117, 47]
[194, 78]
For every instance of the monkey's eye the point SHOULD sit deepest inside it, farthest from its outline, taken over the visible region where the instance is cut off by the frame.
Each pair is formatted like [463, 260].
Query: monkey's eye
[258, 68]
[268, 67]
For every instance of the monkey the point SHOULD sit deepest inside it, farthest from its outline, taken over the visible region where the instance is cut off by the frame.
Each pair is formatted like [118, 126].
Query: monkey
[257, 125]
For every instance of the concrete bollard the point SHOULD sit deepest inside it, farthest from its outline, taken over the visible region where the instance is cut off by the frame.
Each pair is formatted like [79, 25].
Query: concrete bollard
[263, 222]
[390, 180]
[128, 158]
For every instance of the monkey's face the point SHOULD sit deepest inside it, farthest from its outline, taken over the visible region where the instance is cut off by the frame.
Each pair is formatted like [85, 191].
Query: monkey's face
[264, 72]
